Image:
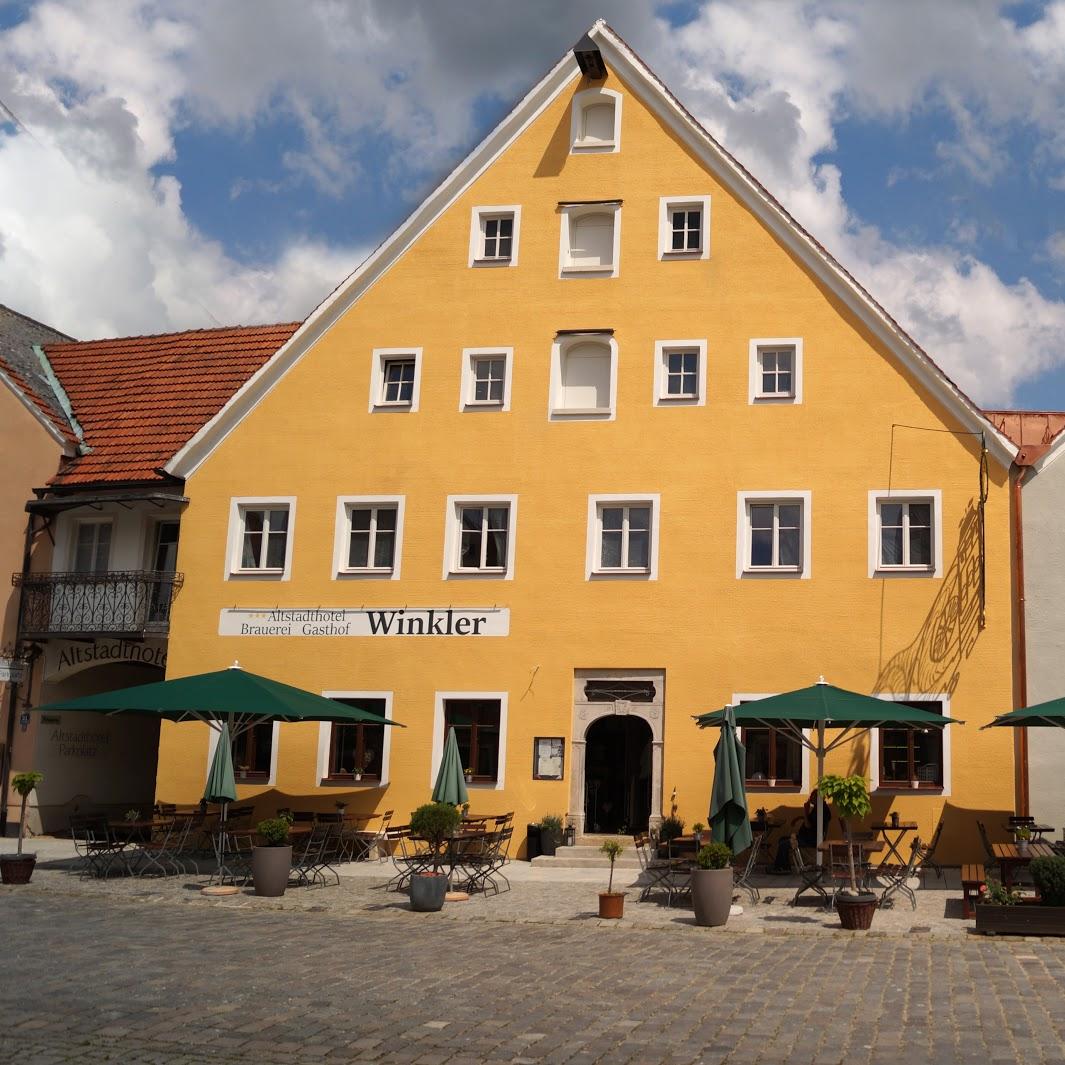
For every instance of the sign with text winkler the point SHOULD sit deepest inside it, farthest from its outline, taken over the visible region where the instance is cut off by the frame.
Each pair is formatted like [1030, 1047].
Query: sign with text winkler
[360, 621]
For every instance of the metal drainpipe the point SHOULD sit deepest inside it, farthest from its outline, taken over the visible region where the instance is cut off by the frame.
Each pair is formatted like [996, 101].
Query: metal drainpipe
[1022, 650]
[12, 695]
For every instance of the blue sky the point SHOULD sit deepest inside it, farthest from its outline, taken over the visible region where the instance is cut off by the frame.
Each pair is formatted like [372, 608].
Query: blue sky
[190, 164]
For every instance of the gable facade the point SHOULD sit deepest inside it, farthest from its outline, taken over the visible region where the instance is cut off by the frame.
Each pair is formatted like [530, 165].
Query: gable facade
[593, 462]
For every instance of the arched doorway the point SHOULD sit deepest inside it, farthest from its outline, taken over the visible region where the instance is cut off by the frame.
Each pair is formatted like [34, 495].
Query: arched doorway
[603, 701]
[617, 772]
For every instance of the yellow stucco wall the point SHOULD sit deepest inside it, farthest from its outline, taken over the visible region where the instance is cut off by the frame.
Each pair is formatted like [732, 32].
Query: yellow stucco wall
[713, 634]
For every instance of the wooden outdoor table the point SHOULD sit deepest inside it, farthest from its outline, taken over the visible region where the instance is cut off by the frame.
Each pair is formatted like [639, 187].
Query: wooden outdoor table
[869, 846]
[1009, 857]
[901, 830]
[1036, 830]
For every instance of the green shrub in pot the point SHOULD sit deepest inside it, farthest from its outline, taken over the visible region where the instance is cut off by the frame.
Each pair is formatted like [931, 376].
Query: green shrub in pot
[274, 831]
[714, 856]
[712, 885]
[435, 822]
[671, 828]
[1049, 877]
[271, 857]
[17, 868]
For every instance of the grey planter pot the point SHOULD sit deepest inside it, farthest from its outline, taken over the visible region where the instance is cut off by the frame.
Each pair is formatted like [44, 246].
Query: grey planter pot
[270, 870]
[711, 896]
[550, 841]
[427, 892]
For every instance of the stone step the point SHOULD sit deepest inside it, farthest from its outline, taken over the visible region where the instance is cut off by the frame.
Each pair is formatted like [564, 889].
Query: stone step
[563, 860]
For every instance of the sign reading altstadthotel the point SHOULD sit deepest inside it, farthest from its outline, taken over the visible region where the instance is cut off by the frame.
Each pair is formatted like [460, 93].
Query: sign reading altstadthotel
[349, 621]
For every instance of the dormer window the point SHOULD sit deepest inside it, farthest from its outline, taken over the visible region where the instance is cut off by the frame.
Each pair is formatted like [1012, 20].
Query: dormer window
[595, 124]
[590, 239]
[494, 236]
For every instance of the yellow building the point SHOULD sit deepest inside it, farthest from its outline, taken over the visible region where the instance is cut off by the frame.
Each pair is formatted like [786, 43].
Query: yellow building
[600, 438]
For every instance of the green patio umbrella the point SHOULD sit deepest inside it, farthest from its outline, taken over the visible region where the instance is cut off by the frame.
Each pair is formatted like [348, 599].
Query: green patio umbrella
[450, 782]
[730, 822]
[1050, 714]
[221, 782]
[822, 707]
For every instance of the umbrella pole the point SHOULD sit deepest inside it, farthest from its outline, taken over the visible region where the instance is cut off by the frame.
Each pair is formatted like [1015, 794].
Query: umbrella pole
[820, 797]
[222, 842]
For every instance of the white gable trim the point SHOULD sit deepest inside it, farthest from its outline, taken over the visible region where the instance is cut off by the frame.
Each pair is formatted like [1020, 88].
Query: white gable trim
[66, 446]
[747, 190]
[326, 314]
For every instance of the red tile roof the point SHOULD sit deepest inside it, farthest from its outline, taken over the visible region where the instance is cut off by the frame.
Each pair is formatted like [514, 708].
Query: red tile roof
[139, 399]
[40, 404]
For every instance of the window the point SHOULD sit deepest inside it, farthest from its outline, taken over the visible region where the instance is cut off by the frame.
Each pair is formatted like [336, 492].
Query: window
[583, 378]
[680, 373]
[371, 537]
[395, 380]
[92, 547]
[595, 124]
[776, 371]
[356, 752]
[773, 537]
[368, 537]
[904, 533]
[480, 539]
[260, 537]
[623, 536]
[253, 753]
[494, 236]
[590, 239]
[486, 378]
[683, 227]
[774, 759]
[912, 758]
[477, 728]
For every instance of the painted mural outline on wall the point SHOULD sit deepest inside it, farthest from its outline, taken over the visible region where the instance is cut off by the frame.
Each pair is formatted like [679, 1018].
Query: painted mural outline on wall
[333, 622]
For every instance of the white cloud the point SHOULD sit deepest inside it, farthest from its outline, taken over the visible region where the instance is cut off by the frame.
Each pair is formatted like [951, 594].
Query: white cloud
[93, 241]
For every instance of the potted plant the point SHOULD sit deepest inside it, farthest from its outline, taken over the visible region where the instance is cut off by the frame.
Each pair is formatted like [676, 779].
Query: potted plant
[850, 797]
[468, 773]
[670, 829]
[697, 831]
[341, 805]
[712, 885]
[611, 902]
[271, 861]
[17, 868]
[551, 826]
[998, 912]
[435, 822]
[1023, 836]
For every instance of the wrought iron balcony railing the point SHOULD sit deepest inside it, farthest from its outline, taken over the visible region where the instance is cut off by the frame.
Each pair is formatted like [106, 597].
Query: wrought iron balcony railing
[129, 603]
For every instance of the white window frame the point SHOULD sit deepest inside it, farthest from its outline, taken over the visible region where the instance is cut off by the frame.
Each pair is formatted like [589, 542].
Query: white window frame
[439, 699]
[666, 206]
[569, 214]
[467, 378]
[943, 698]
[559, 349]
[235, 539]
[589, 98]
[325, 729]
[743, 535]
[592, 569]
[381, 356]
[345, 504]
[933, 496]
[75, 527]
[804, 787]
[477, 219]
[754, 387]
[275, 742]
[663, 348]
[453, 536]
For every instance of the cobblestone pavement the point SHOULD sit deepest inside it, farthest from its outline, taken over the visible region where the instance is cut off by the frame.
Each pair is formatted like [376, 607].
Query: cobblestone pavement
[86, 979]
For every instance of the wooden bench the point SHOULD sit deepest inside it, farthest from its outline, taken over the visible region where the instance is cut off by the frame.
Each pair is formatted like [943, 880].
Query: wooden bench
[973, 883]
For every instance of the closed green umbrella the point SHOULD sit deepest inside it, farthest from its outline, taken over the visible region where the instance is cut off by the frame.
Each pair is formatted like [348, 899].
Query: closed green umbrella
[221, 783]
[450, 782]
[729, 821]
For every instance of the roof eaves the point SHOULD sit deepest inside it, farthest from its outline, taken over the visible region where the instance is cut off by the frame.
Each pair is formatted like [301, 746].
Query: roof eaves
[39, 415]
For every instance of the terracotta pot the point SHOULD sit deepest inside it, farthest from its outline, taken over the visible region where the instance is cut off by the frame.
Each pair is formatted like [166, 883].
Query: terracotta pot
[16, 868]
[611, 905]
[856, 911]
[711, 896]
[270, 870]
[427, 891]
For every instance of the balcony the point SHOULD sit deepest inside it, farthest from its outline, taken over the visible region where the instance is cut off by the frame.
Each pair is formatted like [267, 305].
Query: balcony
[132, 604]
